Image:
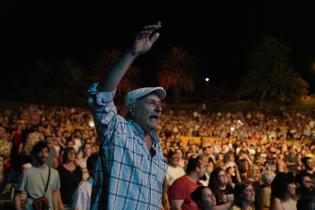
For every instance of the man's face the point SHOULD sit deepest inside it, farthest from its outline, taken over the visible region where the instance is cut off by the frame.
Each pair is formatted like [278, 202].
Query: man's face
[174, 159]
[307, 183]
[201, 169]
[148, 112]
[309, 164]
[42, 156]
[208, 151]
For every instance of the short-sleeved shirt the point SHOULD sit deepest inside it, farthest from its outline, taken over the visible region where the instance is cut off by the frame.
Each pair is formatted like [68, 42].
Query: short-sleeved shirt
[265, 197]
[33, 182]
[126, 175]
[181, 190]
[69, 181]
[224, 196]
[82, 196]
[173, 173]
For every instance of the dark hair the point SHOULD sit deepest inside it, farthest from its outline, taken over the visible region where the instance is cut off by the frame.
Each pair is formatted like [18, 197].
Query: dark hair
[213, 183]
[204, 148]
[170, 154]
[210, 160]
[304, 160]
[38, 147]
[65, 158]
[91, 163]
[239, 195]
[197, 196]
[280, 183]
[227, 156]
[192, 164]
[299, 178]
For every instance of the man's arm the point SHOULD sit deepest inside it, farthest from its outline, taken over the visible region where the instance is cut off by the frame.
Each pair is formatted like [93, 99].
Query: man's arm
[177, 204]
[165, 200]
[57, 200]
[143, 43]
[17, 200]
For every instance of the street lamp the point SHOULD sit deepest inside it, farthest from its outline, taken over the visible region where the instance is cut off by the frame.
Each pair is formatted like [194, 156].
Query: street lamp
[207, 80]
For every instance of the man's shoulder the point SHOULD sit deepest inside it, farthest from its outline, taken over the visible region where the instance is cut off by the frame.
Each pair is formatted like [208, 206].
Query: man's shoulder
[54, 171]
[34, 169]
[28, 171]
[181, 180]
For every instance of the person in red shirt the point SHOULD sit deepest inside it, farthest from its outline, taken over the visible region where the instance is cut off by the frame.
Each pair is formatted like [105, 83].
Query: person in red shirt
[181, 189]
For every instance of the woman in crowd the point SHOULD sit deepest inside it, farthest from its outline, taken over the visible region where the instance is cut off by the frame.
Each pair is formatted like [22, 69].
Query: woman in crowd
[244, 196]
[283, 192]
[181, 161]
[82, 160]
[70, 176]
[264, 195]
[204, 198]
[220, 187]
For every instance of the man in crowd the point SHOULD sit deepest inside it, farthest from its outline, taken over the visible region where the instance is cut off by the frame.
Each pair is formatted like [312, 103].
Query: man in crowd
[34, 180]
[132, 168]
[307, 162]
[180, 191]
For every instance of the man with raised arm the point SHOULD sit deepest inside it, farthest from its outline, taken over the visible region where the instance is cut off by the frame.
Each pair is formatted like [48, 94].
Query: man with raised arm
[130, 170]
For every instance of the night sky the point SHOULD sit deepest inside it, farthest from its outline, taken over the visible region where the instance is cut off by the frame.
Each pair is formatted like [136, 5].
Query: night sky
[219, 34]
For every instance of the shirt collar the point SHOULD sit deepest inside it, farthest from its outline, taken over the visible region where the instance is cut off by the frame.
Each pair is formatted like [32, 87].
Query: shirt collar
[138, 130]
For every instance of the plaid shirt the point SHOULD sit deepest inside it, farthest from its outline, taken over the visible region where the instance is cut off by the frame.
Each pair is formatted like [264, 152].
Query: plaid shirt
[126, 176]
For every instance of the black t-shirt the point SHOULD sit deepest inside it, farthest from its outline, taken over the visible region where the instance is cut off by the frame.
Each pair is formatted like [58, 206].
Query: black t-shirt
[69, 181]
[224, 196]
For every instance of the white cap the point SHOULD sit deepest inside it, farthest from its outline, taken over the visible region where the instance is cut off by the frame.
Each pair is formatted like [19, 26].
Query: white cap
[133, 95]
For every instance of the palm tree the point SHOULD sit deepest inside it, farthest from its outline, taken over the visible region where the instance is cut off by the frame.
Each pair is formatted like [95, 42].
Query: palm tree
[176, 71]
[35, 85]
[67, 86]
[57, 83]
[271, 76]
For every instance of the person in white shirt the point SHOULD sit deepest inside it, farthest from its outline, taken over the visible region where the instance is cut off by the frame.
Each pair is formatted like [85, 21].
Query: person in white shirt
[82, 196]
[174, 171]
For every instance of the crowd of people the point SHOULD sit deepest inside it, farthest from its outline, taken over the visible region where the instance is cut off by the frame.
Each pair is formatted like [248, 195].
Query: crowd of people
[63, 158]
[260, 147]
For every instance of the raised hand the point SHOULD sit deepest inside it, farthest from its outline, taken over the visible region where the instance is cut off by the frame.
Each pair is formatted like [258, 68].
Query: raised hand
[145, 39]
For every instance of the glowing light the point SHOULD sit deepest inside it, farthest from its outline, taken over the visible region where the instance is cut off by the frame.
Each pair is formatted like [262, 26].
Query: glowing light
[207, 79]
[91, 123]
[240, 122]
